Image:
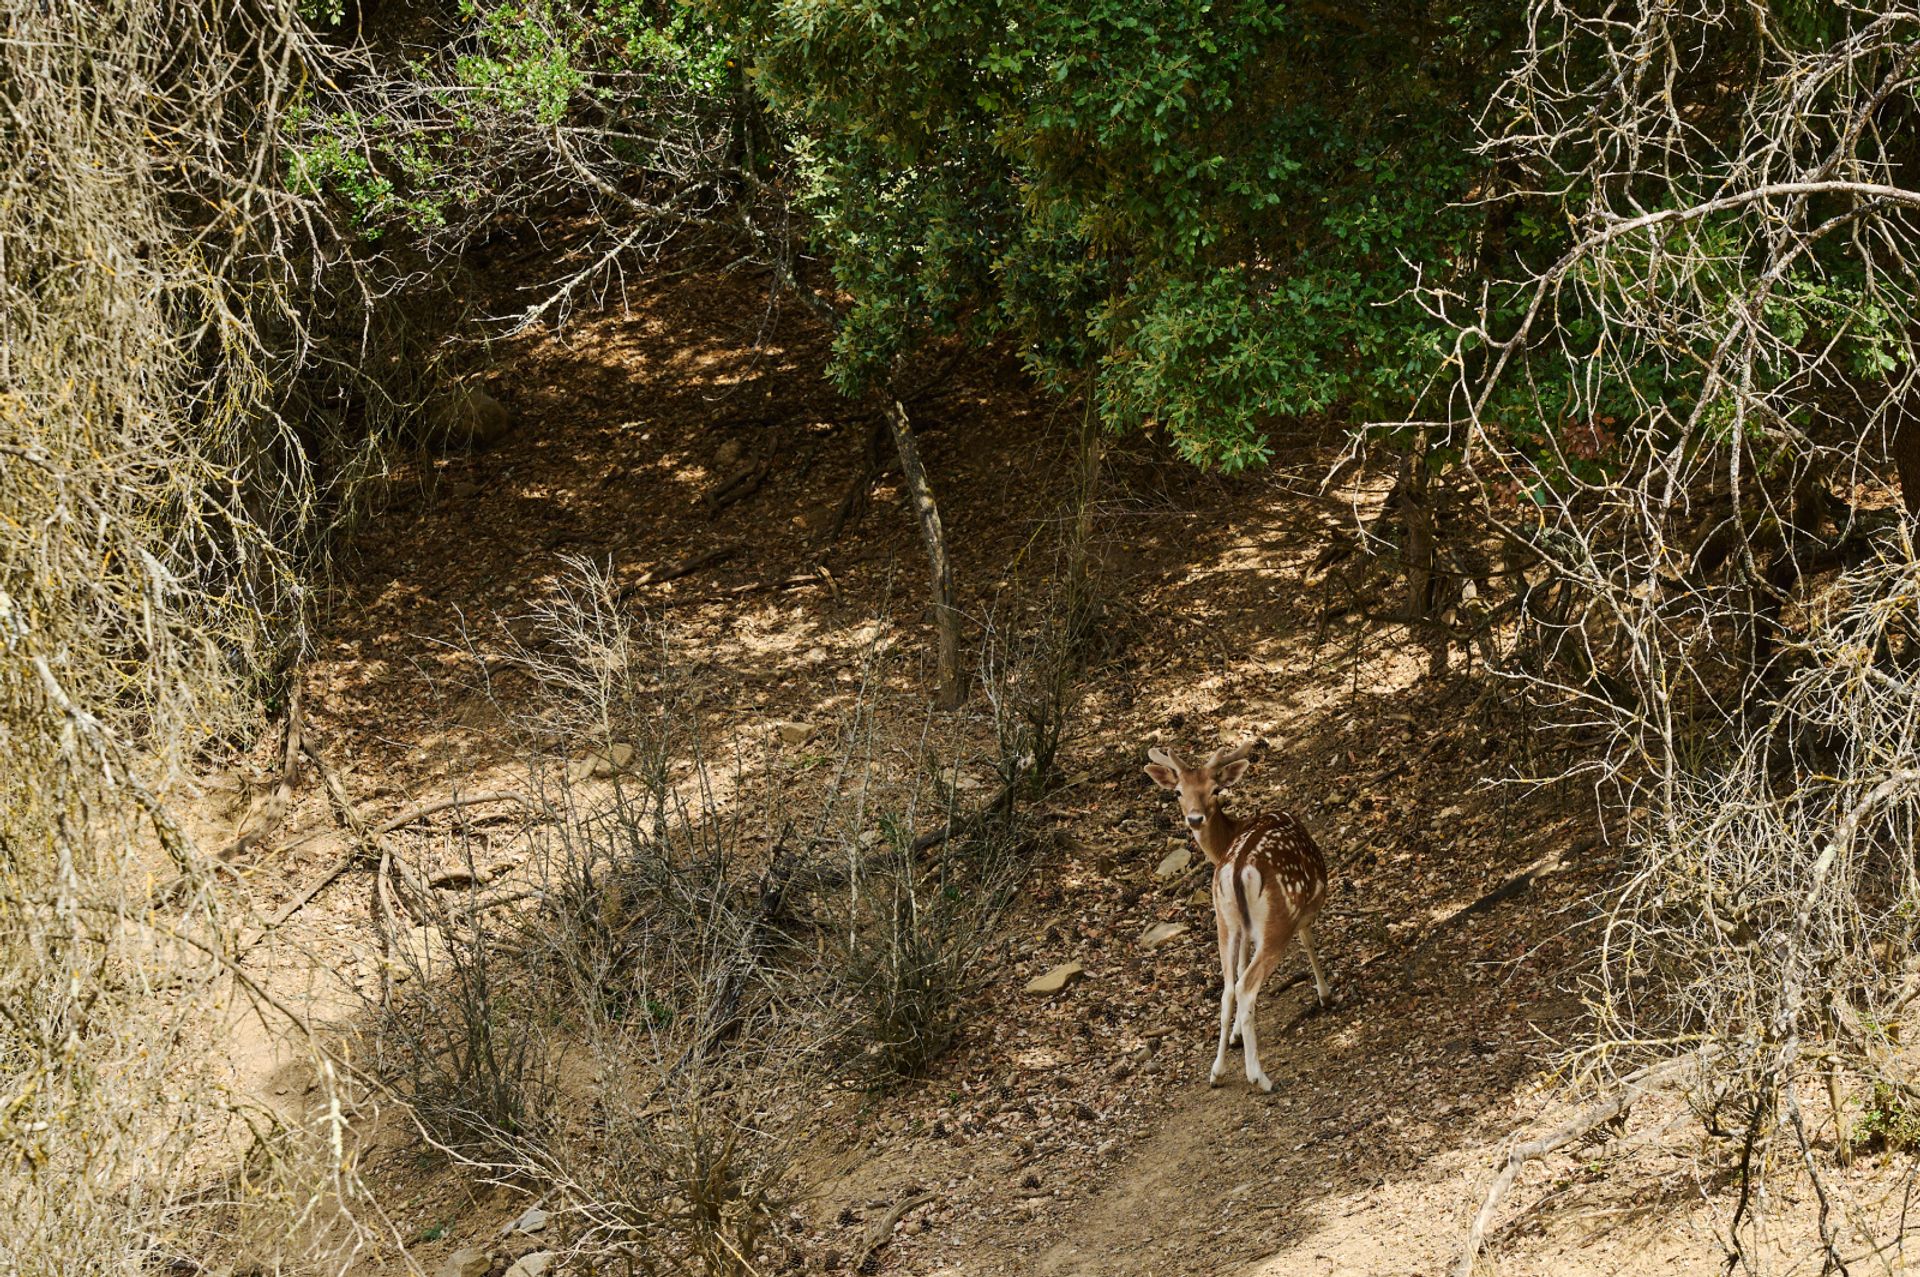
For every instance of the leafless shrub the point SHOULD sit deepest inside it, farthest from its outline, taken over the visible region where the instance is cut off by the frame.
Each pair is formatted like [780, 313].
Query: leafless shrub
[469, 1045]
[629, 1042]
[1683, 426]
[916, 944]
[1033, 654]
[702, 1050]
[155, 291]
[1775, 899]
[928, 879]
[649, 971]
[693, 1174]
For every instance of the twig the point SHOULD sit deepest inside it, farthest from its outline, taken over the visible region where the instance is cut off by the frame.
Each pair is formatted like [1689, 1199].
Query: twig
[356, 824]
[290, 755]
[934, 837]
[1636, 1085]
[313, 888]
[421, 811]
[854, 503]
[741, 486]
[480, 904]
[882, 1232]
[685, 567]
[798, 580]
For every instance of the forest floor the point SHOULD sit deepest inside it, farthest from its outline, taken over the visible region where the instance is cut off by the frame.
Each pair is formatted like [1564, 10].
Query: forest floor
[1063, 1134]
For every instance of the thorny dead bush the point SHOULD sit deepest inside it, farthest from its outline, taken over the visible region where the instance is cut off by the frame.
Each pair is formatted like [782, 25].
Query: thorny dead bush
[923, 907]
[627, 899]
[646, 964]
[467, 1040]
[605, 678]
[674, 942]
[1032, 658]
[682, 1165]
[1771, 911]
[917, 942]
[1777, 898]
[1686, 416]
[157, 298]
[647, 969]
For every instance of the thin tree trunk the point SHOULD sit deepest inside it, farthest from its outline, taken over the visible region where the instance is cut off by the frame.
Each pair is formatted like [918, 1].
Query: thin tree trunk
[1085, 607]
[1420, 556]
[946, 621]
[1093, 450]
[1906, 452]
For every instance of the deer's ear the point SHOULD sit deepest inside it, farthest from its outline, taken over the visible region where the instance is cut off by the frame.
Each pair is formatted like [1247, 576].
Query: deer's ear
[1230, 775]
[1165, 777]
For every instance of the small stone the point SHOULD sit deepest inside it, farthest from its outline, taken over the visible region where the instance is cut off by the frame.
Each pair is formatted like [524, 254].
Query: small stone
[532, 1221]
[466, 1262]
[533, 1265]
[618, 758]
[817, 518]
[1176, 862]
[793, 733]
[727, 454]
[1057, 979]
[1160, 933]
[416, 950]
[600, 764]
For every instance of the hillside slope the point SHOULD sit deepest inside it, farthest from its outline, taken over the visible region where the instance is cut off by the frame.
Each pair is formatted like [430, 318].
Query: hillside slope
[1072, 1133]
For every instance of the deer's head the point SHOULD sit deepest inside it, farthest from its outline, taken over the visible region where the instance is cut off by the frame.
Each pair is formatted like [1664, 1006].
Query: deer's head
[1199, 785]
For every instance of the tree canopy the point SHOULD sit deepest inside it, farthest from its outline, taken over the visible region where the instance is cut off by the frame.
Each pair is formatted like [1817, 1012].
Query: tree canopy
[1218, 213]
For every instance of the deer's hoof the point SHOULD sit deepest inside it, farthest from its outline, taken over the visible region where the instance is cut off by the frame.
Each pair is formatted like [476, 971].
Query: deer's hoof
[1213, 1077]
[1264, 1082]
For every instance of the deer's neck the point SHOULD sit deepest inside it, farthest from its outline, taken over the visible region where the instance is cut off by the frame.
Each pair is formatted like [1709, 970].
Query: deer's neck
[1217, 835]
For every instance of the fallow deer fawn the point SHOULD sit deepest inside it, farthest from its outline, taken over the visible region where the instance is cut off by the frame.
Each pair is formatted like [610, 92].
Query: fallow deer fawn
[1269, 881]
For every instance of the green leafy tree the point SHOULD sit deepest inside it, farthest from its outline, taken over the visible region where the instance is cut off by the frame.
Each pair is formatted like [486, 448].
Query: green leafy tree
[1217, 212]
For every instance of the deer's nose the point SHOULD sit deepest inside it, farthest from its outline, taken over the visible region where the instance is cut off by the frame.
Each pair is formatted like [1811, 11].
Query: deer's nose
[1195, 819]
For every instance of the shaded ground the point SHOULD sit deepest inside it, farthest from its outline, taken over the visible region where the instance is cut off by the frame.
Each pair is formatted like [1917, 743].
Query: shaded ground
[1071, 1134]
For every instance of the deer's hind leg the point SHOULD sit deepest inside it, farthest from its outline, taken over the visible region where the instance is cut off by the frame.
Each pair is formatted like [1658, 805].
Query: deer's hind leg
[1273, 936]
[1245, 955]
[1313, 963]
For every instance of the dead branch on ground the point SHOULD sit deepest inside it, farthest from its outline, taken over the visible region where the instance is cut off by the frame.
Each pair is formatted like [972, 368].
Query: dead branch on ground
[1631, 1088]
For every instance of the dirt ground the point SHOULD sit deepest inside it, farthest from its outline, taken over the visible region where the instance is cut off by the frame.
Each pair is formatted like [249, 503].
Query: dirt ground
[1073, 1133]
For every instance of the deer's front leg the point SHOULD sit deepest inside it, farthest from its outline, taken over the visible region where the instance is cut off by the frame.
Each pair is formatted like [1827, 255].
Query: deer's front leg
[1231, 942]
